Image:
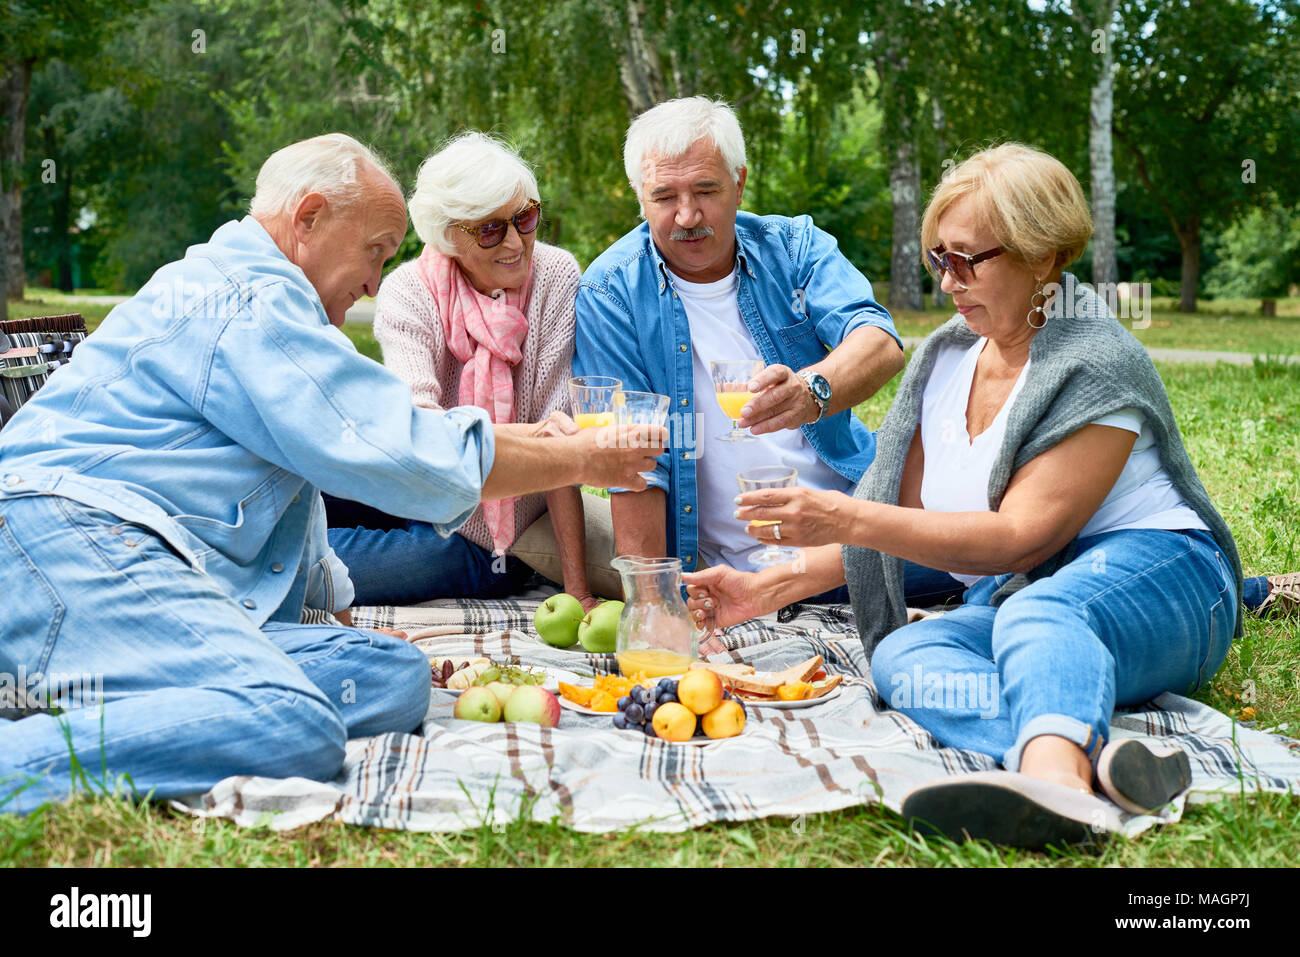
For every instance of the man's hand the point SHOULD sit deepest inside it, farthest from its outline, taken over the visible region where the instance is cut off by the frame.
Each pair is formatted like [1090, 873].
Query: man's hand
[808, 517]
[783, 402]
[616, 455]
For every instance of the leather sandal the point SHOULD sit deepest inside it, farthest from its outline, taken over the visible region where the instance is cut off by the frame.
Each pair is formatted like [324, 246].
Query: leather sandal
[1283, 596]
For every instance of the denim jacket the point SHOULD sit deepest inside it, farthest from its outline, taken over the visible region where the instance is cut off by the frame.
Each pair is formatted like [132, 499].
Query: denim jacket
[798, 296]
[212, 406]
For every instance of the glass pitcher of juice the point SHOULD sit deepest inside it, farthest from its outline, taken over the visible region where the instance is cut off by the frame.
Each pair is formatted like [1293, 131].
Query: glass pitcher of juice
[655, 634]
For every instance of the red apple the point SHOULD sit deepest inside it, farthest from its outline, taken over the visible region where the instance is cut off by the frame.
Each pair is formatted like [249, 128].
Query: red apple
[533, 705]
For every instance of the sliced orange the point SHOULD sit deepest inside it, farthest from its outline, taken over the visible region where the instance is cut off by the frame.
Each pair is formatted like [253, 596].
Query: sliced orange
[577, 694]
[602, 701]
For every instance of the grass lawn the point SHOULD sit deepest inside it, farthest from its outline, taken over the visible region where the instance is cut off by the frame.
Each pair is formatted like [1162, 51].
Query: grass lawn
[1242, 427]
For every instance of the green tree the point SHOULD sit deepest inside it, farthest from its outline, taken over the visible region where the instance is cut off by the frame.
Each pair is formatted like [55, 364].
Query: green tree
[1259, 257]
[1208, 108]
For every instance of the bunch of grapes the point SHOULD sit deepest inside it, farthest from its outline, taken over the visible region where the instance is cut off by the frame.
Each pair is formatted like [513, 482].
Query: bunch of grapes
[636, 709]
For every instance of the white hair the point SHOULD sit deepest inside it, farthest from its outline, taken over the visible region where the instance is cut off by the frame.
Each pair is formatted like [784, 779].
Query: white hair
[673, 127]
[332, 165]
[472, 176]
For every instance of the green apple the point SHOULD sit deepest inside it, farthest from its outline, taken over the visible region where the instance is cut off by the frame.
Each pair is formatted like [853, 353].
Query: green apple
[599, 630]
[557, 620]
[477, 704]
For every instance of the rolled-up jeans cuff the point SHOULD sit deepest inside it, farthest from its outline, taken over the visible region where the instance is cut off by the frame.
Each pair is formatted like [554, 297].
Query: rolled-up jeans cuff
[1062, 725]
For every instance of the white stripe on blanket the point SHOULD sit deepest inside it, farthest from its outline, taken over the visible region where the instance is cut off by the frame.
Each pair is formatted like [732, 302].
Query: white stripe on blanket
[848, 751]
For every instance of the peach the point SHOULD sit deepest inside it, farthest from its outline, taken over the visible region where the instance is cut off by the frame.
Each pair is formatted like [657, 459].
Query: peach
[725, 721]
[700, 690]
[674, 722]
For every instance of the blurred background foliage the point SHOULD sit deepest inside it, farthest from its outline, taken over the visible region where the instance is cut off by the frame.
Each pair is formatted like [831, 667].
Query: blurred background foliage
[157, 115]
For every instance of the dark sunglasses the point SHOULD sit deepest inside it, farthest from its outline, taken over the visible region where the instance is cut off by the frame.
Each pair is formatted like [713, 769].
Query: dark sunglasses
[960, 265]
[491, 233]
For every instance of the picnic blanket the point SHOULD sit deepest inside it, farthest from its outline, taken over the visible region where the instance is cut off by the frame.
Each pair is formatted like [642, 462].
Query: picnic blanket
[850, 750]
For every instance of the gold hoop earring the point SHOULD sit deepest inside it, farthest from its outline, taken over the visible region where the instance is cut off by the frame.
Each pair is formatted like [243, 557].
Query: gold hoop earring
[1038, 294]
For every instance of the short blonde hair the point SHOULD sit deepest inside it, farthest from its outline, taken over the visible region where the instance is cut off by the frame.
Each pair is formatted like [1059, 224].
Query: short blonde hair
[1027, 198]
[473, 175]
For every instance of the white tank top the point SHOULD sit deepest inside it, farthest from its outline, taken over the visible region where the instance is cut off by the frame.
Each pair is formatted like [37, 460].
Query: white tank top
[957, 469]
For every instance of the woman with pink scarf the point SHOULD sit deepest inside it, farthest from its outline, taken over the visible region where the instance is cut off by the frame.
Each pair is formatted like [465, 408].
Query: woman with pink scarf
[483, 317]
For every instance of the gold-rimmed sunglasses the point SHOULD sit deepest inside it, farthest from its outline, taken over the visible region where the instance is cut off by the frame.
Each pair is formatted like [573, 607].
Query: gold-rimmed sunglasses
[491, 233]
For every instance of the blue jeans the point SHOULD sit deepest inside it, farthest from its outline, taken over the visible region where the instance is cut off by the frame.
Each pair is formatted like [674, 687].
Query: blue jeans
[192, 690]
[397, 561]
[1137, 613]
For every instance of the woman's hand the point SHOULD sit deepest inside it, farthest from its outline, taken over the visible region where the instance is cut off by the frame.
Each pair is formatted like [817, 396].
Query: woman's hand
[555, 425]
[808, 517]
[720, 596]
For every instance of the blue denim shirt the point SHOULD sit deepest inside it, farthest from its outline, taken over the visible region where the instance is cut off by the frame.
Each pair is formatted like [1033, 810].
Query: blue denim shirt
[212, 406]
[798, 296]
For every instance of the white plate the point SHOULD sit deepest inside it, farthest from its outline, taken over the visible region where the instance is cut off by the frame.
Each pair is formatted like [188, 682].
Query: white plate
[792, 705]
[699, 741]
[552, 683]
[574, 706]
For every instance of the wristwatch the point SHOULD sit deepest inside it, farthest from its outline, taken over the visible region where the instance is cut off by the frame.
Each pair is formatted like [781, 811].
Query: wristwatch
[820, 389]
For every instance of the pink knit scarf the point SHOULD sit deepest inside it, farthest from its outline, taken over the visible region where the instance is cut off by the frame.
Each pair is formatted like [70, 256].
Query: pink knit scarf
[485, 334]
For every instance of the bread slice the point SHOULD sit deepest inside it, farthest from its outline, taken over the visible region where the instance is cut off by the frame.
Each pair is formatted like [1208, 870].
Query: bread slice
[827, 687]
[764, 685]
[723, 671]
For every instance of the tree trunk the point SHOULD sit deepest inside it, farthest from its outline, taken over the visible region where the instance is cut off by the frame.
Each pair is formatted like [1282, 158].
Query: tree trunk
[939, 298]
[14, 87]
[1189, 240]
[61, 226]
[905, 262]
[1105, 268]
[639, 68]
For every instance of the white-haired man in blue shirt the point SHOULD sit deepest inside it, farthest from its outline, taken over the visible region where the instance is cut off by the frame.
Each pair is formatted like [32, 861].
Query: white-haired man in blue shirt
[160, 514]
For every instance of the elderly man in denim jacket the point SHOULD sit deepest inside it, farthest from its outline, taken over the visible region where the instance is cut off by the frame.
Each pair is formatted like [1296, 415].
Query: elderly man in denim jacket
[161, 527]
[701, 281]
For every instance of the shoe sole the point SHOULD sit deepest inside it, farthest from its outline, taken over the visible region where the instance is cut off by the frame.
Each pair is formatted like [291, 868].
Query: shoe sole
[980, 810]
[1138, 780]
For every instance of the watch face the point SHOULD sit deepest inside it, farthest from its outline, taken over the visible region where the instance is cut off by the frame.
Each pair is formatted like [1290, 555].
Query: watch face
[820, 387]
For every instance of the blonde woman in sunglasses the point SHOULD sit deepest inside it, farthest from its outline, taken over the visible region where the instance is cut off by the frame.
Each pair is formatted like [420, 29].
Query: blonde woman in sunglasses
[1031, 453]
[484, 316]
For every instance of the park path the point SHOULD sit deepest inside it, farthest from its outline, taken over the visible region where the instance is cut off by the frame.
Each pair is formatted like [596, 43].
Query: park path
[363, 313]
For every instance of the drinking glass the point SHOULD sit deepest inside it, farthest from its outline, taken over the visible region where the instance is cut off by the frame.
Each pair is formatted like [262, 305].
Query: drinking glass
[769, 476]
[593, 400]
[731, 386]
[641, 408]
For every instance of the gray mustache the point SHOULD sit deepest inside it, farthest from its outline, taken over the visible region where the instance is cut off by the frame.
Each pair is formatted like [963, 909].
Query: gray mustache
[699, 232]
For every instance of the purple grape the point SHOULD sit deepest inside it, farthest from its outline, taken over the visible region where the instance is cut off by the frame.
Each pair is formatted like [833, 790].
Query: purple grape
[620, 721]
[640, 695]
[635, 713]
[667, 696]
[650, 710]
[649, 730]
[623, 702]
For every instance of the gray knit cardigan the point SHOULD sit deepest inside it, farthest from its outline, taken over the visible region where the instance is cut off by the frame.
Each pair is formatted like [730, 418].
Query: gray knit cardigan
[1083, 365]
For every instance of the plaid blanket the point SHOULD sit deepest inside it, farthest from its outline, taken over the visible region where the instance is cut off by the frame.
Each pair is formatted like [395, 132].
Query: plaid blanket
[850, 750]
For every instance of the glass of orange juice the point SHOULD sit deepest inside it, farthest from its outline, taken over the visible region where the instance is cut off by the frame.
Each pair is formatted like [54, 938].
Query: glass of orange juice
[769, 476]
[731, 386]
[593, 400]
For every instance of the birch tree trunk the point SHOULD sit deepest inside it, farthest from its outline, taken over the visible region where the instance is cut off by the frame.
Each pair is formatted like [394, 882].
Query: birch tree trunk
[1101, 111]
[938, 298]
[639, 69]
[905, 185]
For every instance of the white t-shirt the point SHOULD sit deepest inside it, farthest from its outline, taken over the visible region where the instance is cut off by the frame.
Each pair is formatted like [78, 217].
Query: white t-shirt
[717, 333]
[956, 477]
